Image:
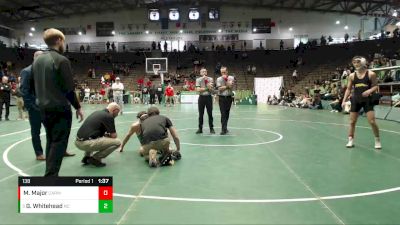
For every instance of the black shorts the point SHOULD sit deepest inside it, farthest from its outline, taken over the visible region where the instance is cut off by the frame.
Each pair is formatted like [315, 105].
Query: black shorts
[365, 105]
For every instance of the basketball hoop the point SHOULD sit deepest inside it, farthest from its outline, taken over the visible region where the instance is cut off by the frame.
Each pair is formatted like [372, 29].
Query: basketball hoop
[155, 71]
[156, 68]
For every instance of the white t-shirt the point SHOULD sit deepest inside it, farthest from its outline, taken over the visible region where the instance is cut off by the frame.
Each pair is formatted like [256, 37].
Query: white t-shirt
[87, 91]
[117, 88]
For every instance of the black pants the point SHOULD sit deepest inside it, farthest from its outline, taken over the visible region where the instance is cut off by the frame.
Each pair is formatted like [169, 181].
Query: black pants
[58, 128]
[159, 97]
[225, 103]
[152, 99]
[5, 101]
[35, 121]
[205, 102]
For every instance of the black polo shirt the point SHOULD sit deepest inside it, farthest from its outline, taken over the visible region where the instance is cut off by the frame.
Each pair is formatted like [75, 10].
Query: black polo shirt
[96, 125]
[155, 128]
[52, 82]
[5, 90]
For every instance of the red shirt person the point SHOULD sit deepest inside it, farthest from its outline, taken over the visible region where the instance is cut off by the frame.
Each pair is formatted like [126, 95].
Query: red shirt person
[169, 95]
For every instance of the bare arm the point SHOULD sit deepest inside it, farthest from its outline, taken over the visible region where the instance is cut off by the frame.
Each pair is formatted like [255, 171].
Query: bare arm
[174, 135]
[132, 130]
[374, 83]
[348, 89]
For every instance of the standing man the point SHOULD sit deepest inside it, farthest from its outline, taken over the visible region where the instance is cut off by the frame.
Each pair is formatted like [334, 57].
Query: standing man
[20, 102]
[35, 119]
[33, 109]
[98, 134]
[225, 86]
[364, 83]
[5, 96]
[159, 93]
[152, 92]
[118, 91]
[204, 85]
[54, 90]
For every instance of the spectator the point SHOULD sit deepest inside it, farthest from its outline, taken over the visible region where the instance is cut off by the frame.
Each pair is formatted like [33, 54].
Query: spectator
[281, 43]
[253, 70]
[294, 76]
[169, 95]
[145, 95]
[159, 93]
[165, 46]
[118, 92]
[346, 37]
[152, 92]
[87, 48]
[5, 97]
[108, 46]
[20, 102]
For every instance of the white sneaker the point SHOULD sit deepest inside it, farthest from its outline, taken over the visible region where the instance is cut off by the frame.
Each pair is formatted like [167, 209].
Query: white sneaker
[350, 144]
[378, 144]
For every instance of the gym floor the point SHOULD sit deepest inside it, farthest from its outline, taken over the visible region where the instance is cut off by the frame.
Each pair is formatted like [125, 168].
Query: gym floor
[277, 166]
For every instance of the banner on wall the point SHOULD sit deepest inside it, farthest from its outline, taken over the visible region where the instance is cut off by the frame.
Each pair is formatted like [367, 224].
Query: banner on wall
[265, 86]
[104, 29]
[222, 37]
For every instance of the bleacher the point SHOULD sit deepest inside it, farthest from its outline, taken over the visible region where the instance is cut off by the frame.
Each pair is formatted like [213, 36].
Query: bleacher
[318, 63]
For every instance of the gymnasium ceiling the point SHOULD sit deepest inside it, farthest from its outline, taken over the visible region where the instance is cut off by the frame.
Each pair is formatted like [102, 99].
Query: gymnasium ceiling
[17, 11]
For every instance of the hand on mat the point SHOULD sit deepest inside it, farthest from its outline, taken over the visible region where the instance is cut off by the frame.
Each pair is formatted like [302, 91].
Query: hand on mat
[121, 149]
[79, 114]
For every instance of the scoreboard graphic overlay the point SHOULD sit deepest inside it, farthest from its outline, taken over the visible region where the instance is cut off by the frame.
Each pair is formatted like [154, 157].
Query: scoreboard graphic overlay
[65, 195]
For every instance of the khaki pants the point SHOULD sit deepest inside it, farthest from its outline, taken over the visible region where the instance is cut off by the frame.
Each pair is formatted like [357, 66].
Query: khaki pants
[119, 99]
[103, 146]
[20, 106]
[169, 100]
[162, 146]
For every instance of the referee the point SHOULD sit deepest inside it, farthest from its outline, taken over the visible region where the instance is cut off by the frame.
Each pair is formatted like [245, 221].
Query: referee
[225, 85]
[204, 85]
